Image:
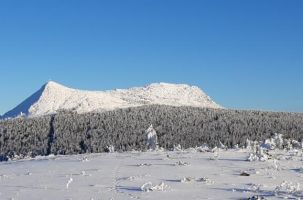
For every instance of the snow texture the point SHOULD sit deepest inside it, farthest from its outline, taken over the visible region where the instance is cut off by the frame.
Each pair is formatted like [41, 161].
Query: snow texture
[122, 176]
[54, 97]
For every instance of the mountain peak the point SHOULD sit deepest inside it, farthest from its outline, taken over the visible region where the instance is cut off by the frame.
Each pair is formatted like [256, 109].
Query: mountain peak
[53, 85]
[53, 97]
[164, 84]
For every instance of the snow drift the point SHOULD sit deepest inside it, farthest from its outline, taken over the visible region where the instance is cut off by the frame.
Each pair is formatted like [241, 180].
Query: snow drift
[53, 97]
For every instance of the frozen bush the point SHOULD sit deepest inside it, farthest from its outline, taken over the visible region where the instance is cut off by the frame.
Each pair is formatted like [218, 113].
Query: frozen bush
[287, 187]
[203, 148]
[257, 153]
[152, 138]
[110, 149]
[178, 147]
[149, 187]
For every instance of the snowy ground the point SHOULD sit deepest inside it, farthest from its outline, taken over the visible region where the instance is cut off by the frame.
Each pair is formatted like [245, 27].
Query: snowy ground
[183, 174]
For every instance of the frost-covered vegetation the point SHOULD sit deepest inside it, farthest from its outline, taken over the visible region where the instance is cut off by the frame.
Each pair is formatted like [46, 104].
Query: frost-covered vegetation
[260, 150]
[22, 137]
[125, 130]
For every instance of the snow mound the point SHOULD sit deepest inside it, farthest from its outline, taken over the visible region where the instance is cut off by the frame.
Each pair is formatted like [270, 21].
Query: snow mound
[54, 97]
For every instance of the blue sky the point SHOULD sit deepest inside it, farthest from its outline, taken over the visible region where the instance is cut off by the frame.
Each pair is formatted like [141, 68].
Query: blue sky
[244, 54]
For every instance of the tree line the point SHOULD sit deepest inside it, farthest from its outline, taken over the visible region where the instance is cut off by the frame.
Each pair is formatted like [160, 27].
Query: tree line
[71, 133]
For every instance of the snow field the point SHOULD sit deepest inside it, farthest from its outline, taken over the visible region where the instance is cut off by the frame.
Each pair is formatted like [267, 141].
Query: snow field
[187, 174]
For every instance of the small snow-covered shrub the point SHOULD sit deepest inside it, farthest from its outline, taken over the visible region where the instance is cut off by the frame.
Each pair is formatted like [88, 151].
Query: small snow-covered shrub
[260, 150]
[144, 165]
[252, 157]
[257, 153]
[84, 159]
[296, 144]
[146, 187]
[221, 145]
[110, 149]
[14, 156]
[269, 144]
[276, 165]
[161, 187]
[149, 187]
[236, 146]
[187, 179]
[178, 147]
[203, 148]
[248, 144]
[288, 188]
[203, 180]
[152, 138]
[277, 142]
[181, 163]
[278, 139]
[206, 181]
[254, 187]
[69, 182]
[215, 155]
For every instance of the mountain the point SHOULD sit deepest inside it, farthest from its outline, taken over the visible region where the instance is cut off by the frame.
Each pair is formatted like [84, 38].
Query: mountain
[53, 97]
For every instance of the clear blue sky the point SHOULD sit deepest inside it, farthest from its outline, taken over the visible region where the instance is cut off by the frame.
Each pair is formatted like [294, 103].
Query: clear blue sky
[244, 54]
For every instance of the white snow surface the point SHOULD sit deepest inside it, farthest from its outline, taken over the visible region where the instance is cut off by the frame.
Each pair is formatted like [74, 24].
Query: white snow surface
[154, 175]
[53, 97]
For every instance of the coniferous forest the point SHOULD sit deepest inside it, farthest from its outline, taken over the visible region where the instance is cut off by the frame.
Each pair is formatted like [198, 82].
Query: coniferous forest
[72, 133]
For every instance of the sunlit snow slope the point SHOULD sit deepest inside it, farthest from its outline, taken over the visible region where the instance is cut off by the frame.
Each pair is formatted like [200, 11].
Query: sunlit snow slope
[53, 97]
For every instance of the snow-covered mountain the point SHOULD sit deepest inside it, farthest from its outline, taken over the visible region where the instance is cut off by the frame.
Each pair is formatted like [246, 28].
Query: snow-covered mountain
[53, 97]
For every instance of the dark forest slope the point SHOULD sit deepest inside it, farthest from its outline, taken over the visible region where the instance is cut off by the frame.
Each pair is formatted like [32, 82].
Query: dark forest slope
[71, 133]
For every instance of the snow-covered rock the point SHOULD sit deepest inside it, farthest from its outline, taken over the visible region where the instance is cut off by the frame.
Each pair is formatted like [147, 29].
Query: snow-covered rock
[54, 97]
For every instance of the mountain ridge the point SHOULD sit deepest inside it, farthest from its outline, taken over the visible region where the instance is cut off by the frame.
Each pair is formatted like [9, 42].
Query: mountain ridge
[53, 97]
